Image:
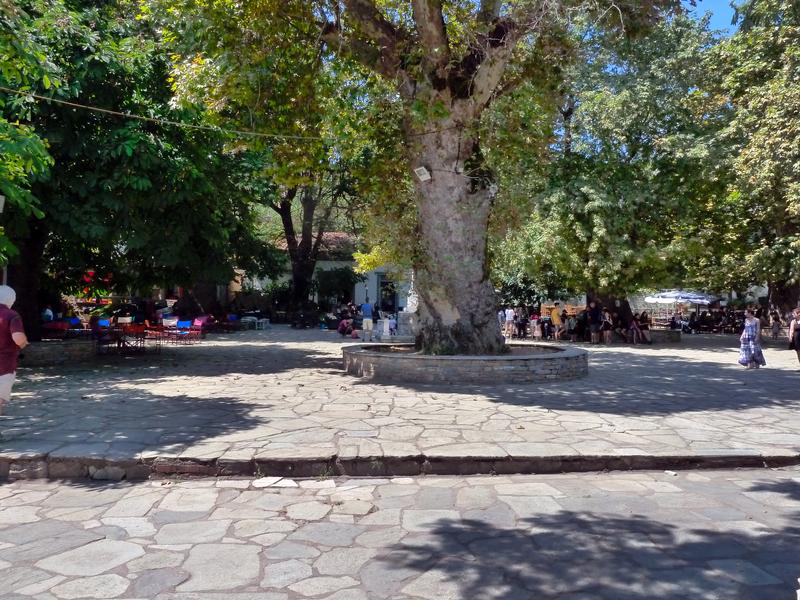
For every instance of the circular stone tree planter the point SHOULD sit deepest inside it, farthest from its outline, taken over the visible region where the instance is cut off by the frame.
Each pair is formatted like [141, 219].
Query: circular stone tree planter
[526, 363]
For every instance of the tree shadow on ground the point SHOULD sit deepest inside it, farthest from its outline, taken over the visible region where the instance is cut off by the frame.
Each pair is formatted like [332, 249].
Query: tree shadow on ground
[155, 402]
[189, 361]
[111, 424]
[641, 385]
[589, 555]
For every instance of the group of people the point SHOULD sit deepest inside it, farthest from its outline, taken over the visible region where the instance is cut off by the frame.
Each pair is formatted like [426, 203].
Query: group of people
[593, 324]
[598, 325]
[347, 321]
[604, 324]
[726, 320]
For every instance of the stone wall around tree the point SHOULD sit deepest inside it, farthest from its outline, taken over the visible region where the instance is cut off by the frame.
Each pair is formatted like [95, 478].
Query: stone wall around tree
[544, 363]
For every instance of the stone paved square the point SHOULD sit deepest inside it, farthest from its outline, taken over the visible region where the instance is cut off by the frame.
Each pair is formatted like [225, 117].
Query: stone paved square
[603, 536]
[280, 395]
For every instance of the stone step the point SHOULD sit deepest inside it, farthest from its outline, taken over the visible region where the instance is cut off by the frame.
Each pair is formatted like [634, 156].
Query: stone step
[47, 467]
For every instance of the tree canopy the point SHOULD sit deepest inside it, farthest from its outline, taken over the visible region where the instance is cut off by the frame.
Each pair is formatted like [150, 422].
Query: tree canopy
[138, 202]
[557, 147]
[754, 226]
[632, 155]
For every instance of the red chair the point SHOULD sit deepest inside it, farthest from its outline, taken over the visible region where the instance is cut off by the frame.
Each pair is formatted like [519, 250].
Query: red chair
[55, 329]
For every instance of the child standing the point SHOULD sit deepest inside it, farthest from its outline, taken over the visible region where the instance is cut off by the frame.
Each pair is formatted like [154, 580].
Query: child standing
[776, 326]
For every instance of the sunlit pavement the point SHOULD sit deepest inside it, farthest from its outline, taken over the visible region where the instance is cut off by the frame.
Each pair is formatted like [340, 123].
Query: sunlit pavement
[281, 395]
[692, 534]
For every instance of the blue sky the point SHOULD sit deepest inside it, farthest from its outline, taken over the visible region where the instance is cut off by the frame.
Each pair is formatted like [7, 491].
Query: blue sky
[721, 13]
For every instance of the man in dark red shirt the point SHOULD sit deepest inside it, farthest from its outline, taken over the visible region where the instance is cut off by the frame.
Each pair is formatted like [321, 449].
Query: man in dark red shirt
[12, 340]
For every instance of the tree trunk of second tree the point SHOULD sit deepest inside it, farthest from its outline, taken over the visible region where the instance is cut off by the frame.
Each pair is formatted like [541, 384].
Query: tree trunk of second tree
[457, 302]
[784, 296]
[302, 275]
[24, 275]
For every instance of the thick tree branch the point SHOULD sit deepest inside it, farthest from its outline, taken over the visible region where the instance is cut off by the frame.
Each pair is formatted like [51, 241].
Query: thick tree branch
[497, 47]
[429, 22]
[309, 206]
[375, 59]
[489, 11]
[361, 51]
[372, 23]
[322, 227]
[373, 40]
[285, 211]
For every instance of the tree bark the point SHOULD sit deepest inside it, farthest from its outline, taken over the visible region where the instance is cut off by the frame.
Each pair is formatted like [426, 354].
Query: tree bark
[302, 275]
[615, 304]
[24, 275]
[457, 302]
[303, 249]
[784, 296]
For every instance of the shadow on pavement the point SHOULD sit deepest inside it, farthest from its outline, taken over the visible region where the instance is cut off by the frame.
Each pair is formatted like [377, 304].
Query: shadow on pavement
[119, 424]
[642, 385]
[589, 555]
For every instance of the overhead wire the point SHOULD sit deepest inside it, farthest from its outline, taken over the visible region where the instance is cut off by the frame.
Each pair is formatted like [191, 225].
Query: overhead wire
[159, 120]
[162, 121]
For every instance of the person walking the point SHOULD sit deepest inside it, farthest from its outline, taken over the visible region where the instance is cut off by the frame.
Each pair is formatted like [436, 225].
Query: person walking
[572, 327]
[555, 319]
[522, 323]
[750, 353]
[367, 324]
[536, 327]
[595, 317]
[607, 326]
[776, 326]
[644, 327]
[635, 330]
[509, 330]
[794, 333]
[12, 340]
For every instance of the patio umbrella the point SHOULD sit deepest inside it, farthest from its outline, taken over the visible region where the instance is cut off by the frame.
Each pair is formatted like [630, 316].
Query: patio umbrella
[682, 297]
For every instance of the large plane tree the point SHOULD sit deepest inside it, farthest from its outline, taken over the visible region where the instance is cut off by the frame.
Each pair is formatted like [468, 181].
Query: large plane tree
[446, 62]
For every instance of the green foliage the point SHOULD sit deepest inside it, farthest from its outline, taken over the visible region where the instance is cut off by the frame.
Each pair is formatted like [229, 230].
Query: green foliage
[23, 154]
[631, 157]
[149, 204]
[257, 66]
[755, 226]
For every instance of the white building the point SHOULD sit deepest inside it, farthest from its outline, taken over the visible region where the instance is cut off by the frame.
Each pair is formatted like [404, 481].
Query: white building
[383, 286]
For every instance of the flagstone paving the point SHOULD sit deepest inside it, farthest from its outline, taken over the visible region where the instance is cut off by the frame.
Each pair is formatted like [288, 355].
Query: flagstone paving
[280, 395]
[691, 534]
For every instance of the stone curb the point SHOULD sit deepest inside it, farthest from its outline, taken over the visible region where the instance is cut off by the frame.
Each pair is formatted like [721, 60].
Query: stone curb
[46, 467]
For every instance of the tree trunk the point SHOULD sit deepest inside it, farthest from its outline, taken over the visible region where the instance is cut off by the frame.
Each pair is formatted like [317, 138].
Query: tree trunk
[457, 303]
[24, 275]
[303, 250]
[615, 304]
[302, 275]
[784, 296]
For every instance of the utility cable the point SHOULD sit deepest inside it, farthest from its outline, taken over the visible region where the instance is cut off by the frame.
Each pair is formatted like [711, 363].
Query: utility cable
[160, 121]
